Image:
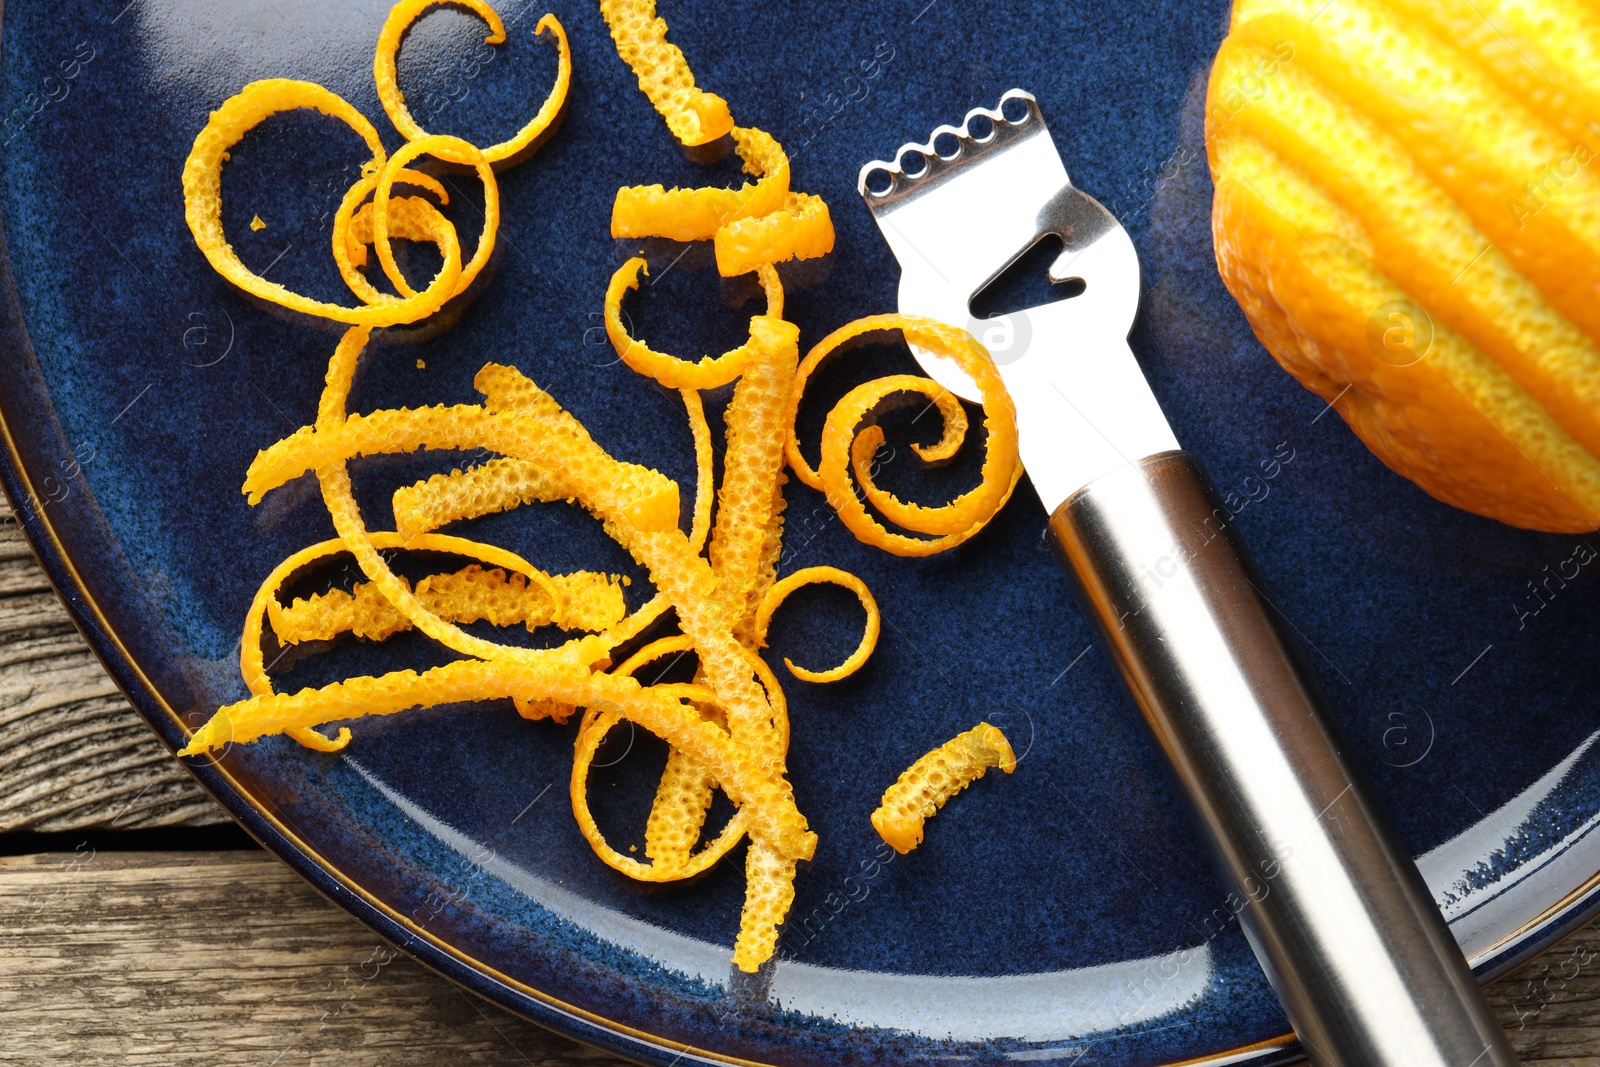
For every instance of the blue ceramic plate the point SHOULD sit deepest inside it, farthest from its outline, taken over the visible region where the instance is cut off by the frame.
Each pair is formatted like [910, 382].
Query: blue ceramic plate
[1061, 913]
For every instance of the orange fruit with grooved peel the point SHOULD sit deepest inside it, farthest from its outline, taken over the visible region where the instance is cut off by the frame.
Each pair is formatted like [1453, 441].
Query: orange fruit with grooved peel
[1407, 208]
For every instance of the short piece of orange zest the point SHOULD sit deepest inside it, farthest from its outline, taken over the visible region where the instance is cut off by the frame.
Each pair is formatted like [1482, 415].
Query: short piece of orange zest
[697, 214]
[693, 116]
[848, 446]
[811, 576]
[922, 790]
[506, 153]
[801, 229]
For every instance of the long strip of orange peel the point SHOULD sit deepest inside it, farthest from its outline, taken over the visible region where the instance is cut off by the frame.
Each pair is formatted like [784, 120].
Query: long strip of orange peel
[202, 198]
[847, 444]
[922, 790]
[813, 576]
[252, 665]
[506, 153]
[697, 214]
[700, 431]
[579, 601]
[766, 332]
[749, 519]
[768, 805]
[497, 485]
[694, 117]
[750, 499]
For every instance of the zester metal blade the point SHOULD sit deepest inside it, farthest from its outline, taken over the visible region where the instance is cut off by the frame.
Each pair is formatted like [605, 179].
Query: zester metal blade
[957, 221]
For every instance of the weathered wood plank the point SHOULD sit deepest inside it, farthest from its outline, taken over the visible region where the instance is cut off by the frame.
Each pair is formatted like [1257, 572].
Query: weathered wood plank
[224, 958]
[73, 755]
[229, 958]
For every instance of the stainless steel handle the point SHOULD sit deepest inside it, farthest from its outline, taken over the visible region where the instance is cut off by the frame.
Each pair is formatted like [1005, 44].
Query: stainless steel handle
[1337, 913]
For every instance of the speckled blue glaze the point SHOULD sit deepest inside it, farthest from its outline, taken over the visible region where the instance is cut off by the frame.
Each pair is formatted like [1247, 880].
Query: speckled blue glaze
[1061, 913]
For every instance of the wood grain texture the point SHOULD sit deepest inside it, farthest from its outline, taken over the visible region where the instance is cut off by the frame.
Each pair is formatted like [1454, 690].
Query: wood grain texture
[221, 959]
[226, 958]
[73, 754]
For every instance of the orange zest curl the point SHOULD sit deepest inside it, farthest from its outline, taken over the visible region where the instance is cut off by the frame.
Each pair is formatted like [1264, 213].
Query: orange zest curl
[801, 229]
[927, 784]
[451, 150]
[847, 444]
[693, 116]
[811, 576]
[766, 333]
[698, 214]
[682, 798]
[202, 198]
[506, 153]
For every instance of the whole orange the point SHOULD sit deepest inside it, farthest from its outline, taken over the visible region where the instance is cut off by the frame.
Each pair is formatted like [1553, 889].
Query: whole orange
[1408, 210]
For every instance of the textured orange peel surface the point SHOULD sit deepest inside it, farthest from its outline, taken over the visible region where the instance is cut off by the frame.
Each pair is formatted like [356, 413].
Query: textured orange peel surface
[726, 730]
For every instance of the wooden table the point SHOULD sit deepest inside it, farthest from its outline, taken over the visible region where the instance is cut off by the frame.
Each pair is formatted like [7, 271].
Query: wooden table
[221, 957]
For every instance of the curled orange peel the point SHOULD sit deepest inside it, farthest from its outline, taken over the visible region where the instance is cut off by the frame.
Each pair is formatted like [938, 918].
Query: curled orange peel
[411, 218]
[451, 150]
[801, 229]
[729, 728]
[506, 153]
[689, 865]
[202, 196]
[834, 576]
[846, 444]
[687, 786]
[698, 214]
[672, 372]
[931, 781]
[694, 117]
